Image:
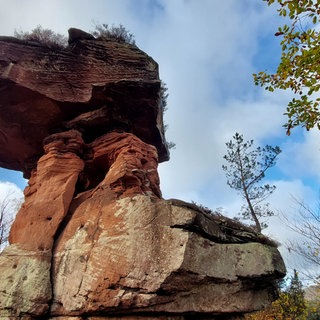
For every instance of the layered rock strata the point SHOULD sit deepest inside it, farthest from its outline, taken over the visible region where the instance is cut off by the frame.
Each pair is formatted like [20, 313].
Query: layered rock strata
[157, 259]
[94, 238]
[93, 86]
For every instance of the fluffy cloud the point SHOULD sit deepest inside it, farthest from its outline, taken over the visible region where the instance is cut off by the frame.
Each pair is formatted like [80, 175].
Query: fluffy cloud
[302, 156]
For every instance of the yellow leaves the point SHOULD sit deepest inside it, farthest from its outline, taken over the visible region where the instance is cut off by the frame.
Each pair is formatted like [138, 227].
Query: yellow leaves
[290, 305]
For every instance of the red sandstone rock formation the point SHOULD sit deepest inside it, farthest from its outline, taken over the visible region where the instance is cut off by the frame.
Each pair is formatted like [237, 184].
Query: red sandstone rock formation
[50, 192]
[94, 238]
[92, 86]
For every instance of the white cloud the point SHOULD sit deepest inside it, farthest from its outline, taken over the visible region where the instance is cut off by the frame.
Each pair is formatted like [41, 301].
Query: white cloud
[9, 188]
[302, 158]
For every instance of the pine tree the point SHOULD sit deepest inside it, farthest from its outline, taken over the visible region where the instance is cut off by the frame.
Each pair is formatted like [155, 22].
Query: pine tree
[292, 302]
[247, 167]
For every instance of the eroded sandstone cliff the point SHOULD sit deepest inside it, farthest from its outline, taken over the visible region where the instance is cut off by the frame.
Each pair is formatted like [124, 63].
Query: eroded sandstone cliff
[92, 86]
[94, 238]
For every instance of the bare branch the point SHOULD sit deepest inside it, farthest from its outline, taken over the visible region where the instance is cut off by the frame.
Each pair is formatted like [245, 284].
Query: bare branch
[307, 225]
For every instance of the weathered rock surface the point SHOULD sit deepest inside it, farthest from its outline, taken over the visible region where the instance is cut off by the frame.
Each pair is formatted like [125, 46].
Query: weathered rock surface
[25, 286]
[139, 255]
[151, 262]
[49, 194]
[94, 238]
[92, 86]
[143, 255]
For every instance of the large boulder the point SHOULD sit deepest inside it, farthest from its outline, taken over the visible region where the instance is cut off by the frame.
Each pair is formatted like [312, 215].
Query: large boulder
[141, 255]
[158, 256]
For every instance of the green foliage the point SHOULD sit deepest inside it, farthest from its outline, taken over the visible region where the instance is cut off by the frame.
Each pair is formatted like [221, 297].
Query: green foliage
[291, 303]
[44, 36]
[247, 167]
[164, 95]
[299, 67]
[313, 310]
[164, 98]
[120, 33]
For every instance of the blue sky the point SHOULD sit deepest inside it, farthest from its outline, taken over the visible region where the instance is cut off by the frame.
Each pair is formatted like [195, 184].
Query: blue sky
[14, 177]
[207, 51]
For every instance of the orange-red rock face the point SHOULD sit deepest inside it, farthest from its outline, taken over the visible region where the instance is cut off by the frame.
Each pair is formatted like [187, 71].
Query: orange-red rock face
[130, 164]
[120, 163]
[50, 191]
[70, 177]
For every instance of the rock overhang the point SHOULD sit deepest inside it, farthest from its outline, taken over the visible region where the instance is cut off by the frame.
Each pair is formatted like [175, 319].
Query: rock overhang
[93, 86]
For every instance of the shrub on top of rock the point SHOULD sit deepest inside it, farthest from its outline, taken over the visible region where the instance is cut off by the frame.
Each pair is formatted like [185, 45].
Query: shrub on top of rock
[44, 36]
[120, 33]
[58, 41]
